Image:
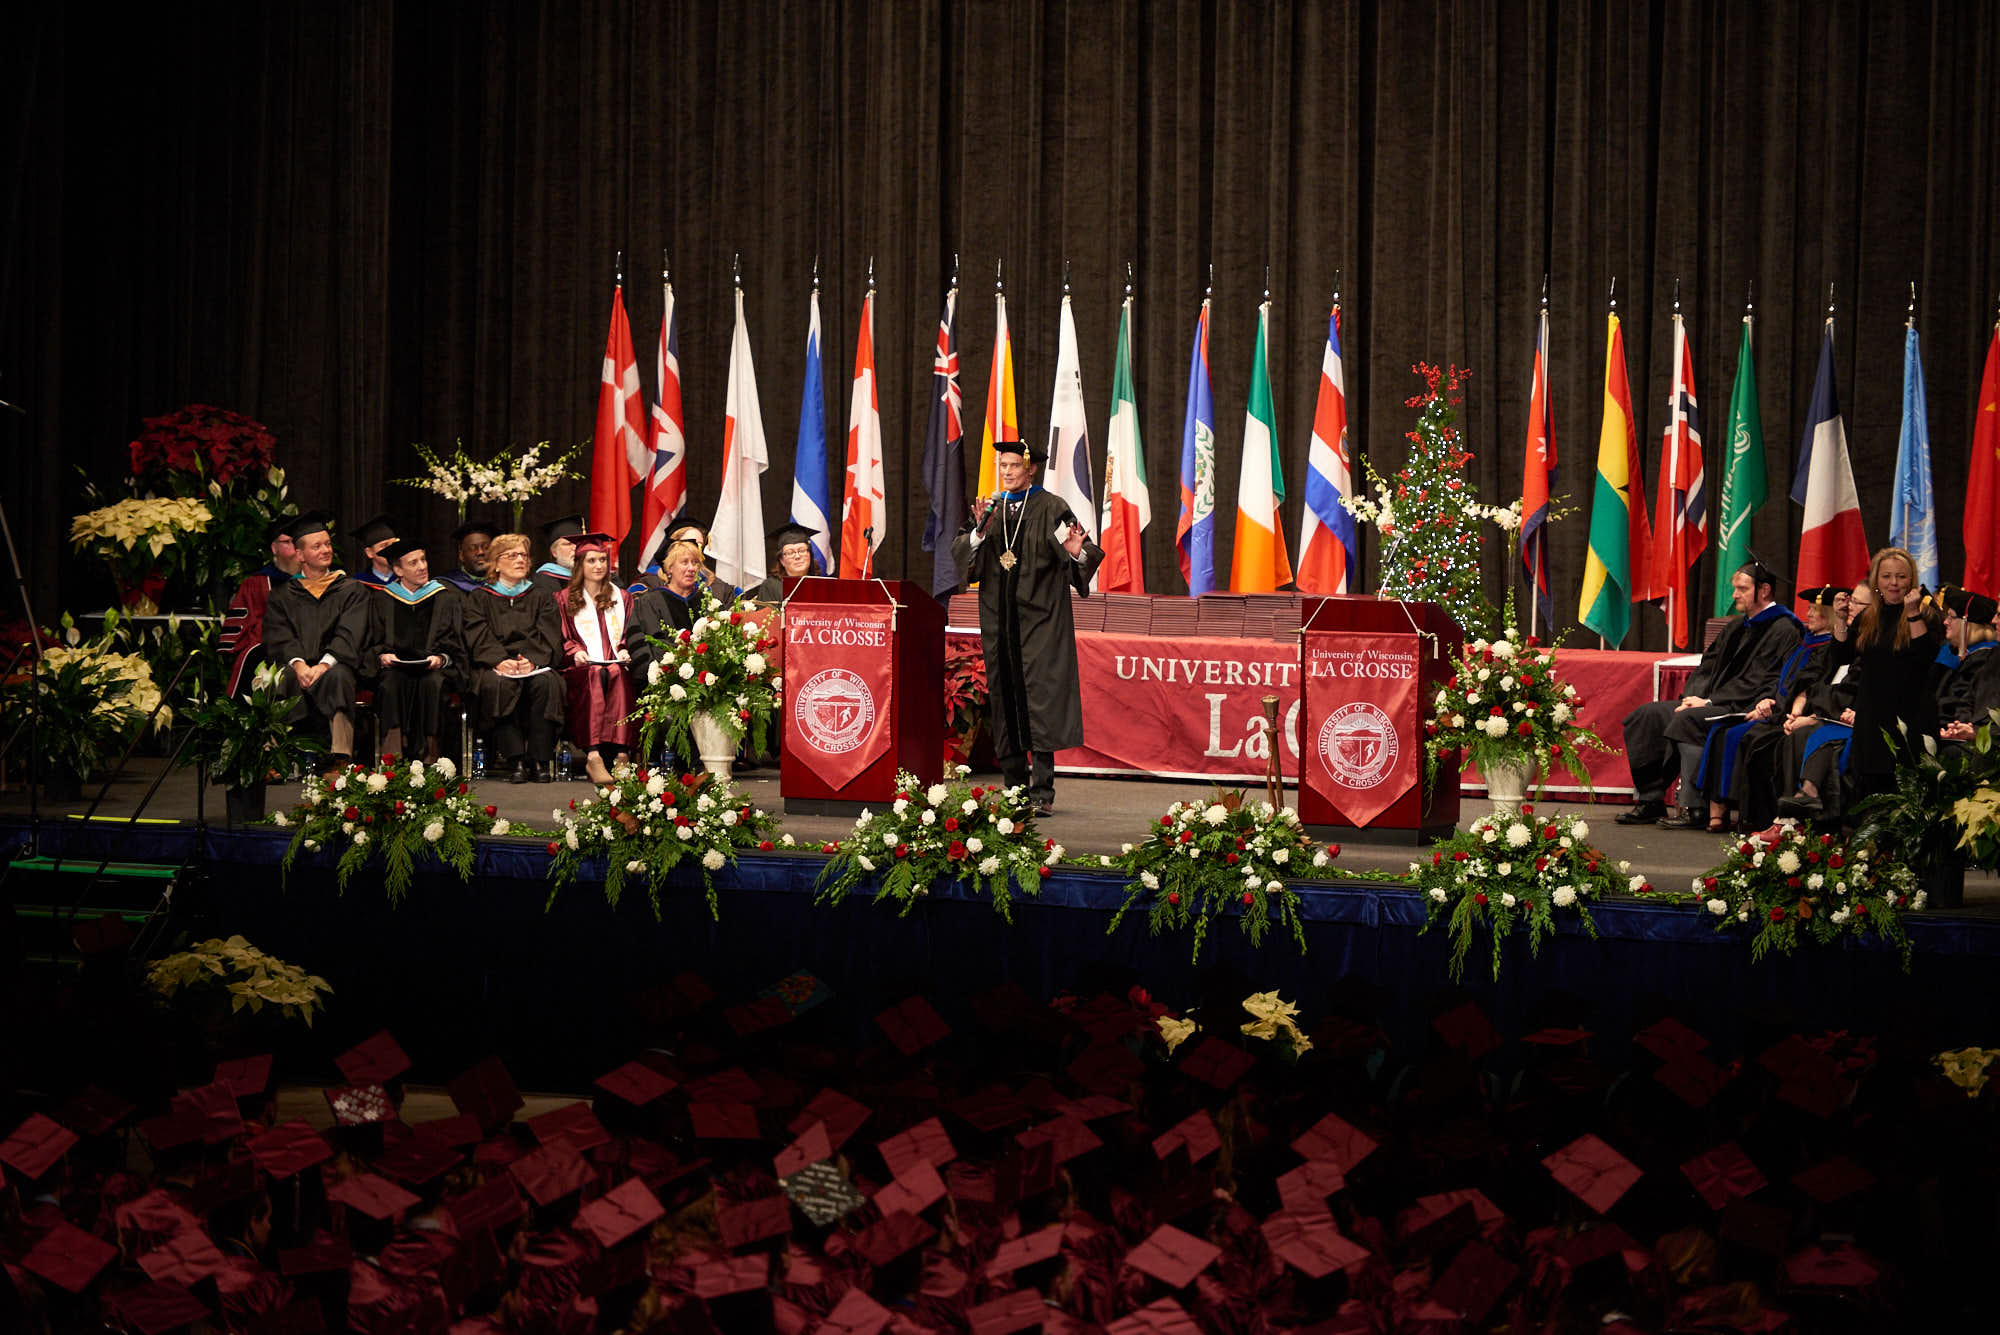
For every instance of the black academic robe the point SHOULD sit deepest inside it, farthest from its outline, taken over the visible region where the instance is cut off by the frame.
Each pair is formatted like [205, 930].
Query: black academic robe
[1892, 686]
[499, 626]
[1744, 663]
[1972, 691]
[656, 614]
[550, 576]
[1026, 629]
[464, 580]
[427, 623]
[299, 626]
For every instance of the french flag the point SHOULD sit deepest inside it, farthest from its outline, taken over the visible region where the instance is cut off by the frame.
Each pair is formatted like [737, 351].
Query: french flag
[1833, 549]
[1329, 557]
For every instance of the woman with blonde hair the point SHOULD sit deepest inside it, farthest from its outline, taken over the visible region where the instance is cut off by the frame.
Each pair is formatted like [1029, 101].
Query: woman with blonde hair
[513, 635]
[595, 613]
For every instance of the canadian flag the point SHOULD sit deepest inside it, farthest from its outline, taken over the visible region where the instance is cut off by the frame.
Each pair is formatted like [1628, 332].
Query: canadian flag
[862, 514]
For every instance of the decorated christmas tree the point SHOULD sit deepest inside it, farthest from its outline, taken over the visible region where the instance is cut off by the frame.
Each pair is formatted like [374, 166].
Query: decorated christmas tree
[1427, 514]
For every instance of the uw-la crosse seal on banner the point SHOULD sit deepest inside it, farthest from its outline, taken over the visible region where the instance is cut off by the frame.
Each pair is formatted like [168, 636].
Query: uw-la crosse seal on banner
[1361, 720]
[839, 674]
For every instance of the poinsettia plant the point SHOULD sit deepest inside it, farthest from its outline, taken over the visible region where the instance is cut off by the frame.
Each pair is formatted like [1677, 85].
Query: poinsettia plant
[403, 810]
[183, 451]
[965, 691]
[1505, 702]
[949, 831]
[647, 822]
[720, 667]
[1221, 854]
[1514, 873]
[1790, 885]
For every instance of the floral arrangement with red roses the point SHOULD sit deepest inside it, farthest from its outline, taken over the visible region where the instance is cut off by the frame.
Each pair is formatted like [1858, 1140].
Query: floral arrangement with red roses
[939, 833]
[647, 822]
[1791, 884]
[400, 808]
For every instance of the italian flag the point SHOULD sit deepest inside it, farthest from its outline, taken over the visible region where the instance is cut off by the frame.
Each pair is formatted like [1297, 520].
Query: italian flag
[1260, 564]
[1127, 509]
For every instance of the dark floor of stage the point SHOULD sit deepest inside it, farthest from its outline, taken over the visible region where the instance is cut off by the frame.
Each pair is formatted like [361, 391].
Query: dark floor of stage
[1093, 816]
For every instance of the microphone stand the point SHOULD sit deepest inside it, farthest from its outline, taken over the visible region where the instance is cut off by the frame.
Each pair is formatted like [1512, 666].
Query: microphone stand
[34, 670]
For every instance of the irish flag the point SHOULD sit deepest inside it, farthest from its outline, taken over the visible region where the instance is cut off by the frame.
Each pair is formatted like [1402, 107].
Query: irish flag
[1127, 508]
[1260, 564]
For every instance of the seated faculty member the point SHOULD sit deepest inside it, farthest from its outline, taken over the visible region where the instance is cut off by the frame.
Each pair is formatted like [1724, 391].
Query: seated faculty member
[416, 638]
[242, 639]
[671, 606]
[472, 539]
[559, 541]
[315, 629]
[1027, 551]
[374, 538]
[1664, 737]
[795, 560]
[513, 637]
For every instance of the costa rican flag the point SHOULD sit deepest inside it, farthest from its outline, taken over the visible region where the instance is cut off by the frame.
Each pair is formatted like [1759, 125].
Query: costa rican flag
[1329, 554]
[666, 480]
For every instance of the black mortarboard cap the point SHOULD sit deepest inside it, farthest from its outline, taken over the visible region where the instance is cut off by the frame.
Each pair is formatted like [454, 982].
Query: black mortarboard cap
[568, 526]
[303, 526]
[1822, 596]
[377, 529]
[1032, 452]
[278, 527]
[401, 548]
[790, 532]
[472, 526]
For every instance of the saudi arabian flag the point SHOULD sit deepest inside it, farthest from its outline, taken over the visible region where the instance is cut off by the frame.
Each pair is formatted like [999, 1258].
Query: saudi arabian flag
[1744, 485]
[1606, 604]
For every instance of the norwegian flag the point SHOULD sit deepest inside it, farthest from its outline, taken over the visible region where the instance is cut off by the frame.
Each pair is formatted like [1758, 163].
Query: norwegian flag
[1680, 516]
[944, 452]
[1329, 555]
[619, 456]
[666, 481]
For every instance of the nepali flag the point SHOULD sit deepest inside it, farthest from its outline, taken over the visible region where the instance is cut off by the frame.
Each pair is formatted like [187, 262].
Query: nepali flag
[666, 480]
[1194, 530]
[1832, 549]
[944, 452]
[1538, 473]
[1329, 551]
[1680, 518]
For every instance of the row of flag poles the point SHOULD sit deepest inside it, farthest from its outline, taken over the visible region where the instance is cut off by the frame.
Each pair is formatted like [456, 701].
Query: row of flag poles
[1632, 558]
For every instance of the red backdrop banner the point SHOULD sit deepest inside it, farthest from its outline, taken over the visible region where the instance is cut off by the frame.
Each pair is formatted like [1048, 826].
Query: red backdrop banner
[839, 675]
[1363, 729]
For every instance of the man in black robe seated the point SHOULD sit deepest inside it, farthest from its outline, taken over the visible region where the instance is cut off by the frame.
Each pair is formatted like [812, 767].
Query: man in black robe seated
[1027, 552]
[416, 637]
[559, 540]
[374, 538]
[513, 637]
[315, 629]
[472, 539]
[242, 640]
[1664, 737]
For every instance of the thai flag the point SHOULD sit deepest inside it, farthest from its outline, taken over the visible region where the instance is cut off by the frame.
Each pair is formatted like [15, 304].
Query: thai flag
[1194, 530]
[1832, 549]
[810, 497]
[1329, 554]
[666, 479]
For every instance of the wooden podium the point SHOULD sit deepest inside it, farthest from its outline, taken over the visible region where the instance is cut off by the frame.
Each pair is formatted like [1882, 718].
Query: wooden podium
[1368, 671]
[825, 694]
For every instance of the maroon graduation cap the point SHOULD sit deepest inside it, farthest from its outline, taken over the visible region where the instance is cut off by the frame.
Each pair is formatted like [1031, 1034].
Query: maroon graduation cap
[33, 1147]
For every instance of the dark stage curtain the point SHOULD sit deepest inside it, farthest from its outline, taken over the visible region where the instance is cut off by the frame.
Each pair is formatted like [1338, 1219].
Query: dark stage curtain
[370, 224]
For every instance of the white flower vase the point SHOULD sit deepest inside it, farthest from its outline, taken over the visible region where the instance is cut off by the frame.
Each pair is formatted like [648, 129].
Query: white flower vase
[1507, 782]
[711, 739]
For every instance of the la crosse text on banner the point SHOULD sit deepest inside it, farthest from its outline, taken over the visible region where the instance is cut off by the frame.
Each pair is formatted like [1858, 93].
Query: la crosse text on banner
[839, 678]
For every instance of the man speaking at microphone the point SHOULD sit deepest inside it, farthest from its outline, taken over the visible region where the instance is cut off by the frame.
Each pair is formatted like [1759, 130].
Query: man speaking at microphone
[1026, 550]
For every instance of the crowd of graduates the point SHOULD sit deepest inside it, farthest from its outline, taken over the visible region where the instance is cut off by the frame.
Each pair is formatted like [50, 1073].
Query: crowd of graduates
[531, 653]
[1802, 719]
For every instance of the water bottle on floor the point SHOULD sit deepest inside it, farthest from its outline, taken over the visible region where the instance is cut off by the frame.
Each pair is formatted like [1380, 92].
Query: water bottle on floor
[565, 759]
[479, 759]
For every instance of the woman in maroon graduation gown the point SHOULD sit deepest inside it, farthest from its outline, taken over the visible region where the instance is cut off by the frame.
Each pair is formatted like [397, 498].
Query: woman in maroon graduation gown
[595, 614]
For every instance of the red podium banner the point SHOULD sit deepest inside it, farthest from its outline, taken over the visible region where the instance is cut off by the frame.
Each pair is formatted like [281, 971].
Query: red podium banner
[837, 715]
[1357, 689]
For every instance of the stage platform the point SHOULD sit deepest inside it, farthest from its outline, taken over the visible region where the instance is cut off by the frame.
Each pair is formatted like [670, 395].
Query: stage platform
[565, 990]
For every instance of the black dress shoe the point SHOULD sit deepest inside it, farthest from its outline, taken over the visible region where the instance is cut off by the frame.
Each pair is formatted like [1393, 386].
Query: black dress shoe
[519, 773]
[1683, 819]
[1643, 812]
[1801, 806]
[1045, 808]
[544, 772]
